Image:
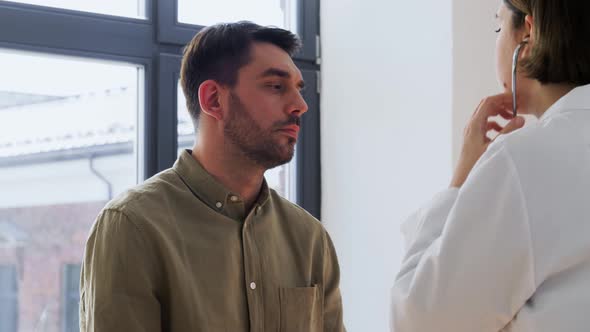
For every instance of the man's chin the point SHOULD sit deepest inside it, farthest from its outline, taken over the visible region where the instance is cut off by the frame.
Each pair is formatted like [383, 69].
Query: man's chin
[286, 140]
[286, 157]
[286, 144]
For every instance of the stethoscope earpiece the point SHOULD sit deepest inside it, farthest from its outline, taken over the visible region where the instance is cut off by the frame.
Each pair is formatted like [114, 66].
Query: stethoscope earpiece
[514, 70]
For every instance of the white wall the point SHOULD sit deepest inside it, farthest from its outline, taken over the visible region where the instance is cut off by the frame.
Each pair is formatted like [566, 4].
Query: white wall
[399, 81]
[474, 75]
[386, 136]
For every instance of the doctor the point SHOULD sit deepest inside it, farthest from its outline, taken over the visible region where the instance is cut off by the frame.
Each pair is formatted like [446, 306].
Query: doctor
[507, 246]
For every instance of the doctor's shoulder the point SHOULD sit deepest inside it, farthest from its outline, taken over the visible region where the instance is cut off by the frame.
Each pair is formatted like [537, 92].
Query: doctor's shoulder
[538, 145]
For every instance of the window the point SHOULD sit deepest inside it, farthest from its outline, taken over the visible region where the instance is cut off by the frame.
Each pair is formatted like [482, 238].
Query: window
[179, 20]
[8, 299]
[280, 13]
[128, 8]
[185, 127]
[68, 134]
[88, 108]
[71, 297]
[68, 123]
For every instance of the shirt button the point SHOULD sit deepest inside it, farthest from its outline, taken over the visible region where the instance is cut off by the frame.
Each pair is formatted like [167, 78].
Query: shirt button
[219, 205]
[258, 209]
[252, 285]
[234, 198]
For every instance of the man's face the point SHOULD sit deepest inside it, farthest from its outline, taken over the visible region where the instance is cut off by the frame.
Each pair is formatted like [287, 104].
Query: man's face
[265, 107]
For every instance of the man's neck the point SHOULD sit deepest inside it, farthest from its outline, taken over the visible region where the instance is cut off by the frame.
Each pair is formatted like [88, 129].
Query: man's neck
[238, 175]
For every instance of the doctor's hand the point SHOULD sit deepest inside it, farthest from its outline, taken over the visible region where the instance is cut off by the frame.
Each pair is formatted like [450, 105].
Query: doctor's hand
[475, 136]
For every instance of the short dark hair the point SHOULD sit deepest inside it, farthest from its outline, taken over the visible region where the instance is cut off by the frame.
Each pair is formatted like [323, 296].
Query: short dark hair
[561, 53]
[219, 51]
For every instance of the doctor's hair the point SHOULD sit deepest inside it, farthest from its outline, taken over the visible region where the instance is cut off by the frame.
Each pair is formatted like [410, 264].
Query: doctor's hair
[219, 51]
[561, 51]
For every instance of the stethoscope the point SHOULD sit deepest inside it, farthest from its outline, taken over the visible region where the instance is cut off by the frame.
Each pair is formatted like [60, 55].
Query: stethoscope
[514, 69]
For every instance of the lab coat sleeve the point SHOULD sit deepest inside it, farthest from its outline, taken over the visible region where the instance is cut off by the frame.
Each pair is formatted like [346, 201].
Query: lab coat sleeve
[469, 266]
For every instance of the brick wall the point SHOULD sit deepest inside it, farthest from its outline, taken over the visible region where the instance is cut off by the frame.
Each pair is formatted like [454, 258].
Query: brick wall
[55, 237]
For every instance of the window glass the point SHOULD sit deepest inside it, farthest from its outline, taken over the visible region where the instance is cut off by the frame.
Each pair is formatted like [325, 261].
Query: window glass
[127, 8]
[68, 134]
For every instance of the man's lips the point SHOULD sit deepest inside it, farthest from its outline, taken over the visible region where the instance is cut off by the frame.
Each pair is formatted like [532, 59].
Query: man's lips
[291, 130]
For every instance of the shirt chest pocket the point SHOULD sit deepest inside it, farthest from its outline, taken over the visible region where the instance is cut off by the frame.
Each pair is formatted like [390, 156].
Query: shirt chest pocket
[301, 309]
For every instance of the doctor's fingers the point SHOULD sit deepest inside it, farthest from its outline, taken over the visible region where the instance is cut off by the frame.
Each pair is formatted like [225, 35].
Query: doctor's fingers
[492, 130]
[495, 105]
[514, 124]
[493, 126]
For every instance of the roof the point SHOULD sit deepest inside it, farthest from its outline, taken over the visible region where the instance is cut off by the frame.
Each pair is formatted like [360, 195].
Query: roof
[87, 125]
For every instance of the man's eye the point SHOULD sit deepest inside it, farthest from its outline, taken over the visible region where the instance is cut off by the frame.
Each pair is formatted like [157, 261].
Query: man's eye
[275, 86]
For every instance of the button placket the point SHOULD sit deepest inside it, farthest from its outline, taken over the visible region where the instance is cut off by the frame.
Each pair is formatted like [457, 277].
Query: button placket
[252, 274]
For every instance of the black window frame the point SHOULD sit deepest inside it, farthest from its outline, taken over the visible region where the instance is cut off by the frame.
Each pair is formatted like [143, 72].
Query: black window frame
[156, 44]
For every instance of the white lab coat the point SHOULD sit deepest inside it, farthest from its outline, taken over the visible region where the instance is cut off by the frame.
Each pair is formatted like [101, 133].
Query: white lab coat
[510, 250]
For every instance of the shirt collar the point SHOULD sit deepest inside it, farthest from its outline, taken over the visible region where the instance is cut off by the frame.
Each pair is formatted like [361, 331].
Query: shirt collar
[210, 191]
[577, 99]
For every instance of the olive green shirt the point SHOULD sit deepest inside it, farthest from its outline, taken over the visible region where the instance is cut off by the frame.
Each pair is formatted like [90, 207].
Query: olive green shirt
[181, 253]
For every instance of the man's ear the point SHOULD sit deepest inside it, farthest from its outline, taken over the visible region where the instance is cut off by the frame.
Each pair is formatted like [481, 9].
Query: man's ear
[210, 101]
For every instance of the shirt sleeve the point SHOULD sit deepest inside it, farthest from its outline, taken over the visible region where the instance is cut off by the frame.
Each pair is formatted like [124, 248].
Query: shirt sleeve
[118, 281]
[470, 264]
[333, 317]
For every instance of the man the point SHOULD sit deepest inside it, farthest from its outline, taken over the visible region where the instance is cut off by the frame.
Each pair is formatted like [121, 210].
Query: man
[206, 245]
